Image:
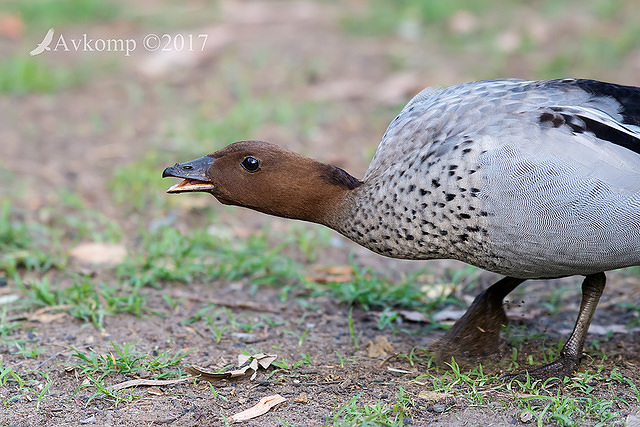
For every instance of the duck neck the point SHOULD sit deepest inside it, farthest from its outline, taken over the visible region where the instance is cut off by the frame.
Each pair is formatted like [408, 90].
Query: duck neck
[321, 198]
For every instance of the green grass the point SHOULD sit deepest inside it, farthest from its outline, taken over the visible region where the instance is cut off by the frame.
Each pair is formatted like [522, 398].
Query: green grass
[124, 360]
[586, 398]
[25, 244]
[138, 187]
[371, 289]
[42, 14]
[378, 414]
[85, 299]
[34, 242]
[22, 74]
[169, 255]
[221, 320]
[25, 387]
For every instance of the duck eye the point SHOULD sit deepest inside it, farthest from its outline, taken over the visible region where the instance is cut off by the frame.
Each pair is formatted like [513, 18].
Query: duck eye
[251, 164]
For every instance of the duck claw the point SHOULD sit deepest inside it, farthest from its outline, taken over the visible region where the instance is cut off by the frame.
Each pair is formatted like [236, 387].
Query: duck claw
[563, 366]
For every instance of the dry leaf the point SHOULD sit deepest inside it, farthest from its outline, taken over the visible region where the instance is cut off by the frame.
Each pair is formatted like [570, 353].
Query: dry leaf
[261, 408]
[210, 376]
[99, 253]
[257, 360]
[46, 318]
[135, 383]
[242, 359]
[43, 315]
[267, 360]
[434, 396]
[337, 274]
[413, 316]
[379, 347]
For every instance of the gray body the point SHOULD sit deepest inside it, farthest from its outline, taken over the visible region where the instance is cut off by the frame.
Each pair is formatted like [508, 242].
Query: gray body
[526, 179]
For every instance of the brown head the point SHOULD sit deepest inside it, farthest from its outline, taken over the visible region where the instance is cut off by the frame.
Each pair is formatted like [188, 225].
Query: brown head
[269, 179]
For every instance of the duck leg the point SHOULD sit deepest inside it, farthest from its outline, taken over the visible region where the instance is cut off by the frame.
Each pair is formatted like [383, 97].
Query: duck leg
[477, 333]
[569, 358]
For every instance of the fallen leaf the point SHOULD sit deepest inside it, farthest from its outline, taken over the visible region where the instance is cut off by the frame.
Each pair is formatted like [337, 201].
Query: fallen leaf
[262, 407]
[44, 316]
[379, 347]
[336, 274]
[434, 396]
[243, 358]
[135, 383]
[47, 318]
[413, 316]
[210, 376]
[267, 360]
[99, 253]
[255, 362]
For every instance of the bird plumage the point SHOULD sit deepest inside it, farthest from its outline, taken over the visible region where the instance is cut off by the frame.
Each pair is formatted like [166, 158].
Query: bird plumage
[512, 176]
[529, 179]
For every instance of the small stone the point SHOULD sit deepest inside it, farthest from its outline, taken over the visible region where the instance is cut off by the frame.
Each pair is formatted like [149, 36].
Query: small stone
[526, 416]
[439, 408]
[302, 398]
[90, 420]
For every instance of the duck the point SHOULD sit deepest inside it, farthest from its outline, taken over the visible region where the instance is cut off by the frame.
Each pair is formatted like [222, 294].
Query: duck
[526, 179]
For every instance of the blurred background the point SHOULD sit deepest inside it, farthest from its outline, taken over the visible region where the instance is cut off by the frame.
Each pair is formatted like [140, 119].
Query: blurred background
[128, 88]
[321, 77]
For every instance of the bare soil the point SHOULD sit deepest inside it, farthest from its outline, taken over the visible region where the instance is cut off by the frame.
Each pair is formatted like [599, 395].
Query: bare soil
[53, 144]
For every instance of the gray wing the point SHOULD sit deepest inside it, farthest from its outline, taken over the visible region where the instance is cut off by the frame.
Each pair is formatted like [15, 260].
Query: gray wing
[607, 111]
[563, 183]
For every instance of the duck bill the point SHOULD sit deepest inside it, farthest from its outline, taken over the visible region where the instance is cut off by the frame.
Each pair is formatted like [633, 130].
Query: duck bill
[193, 173]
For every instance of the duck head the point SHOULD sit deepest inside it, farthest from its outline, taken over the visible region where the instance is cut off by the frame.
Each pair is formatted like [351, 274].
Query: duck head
[269, 179]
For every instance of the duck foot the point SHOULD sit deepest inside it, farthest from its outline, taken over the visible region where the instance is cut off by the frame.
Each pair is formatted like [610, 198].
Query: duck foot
[477, 333]
[563, 366]
[569, 359]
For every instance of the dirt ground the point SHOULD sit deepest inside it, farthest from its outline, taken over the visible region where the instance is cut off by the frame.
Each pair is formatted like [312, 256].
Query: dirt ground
[142, 105]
